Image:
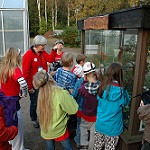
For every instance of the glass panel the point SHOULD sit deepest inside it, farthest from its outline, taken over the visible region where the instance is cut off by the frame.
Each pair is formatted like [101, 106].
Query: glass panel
[102, 46]
[1, 45]
[1, 40]
[13, 26]
[1, 20]
[13, 4]
[1, 1]
[127, 59]
[13, 20]
[14, 39]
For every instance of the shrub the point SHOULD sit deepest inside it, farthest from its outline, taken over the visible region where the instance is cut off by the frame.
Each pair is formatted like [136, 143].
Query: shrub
[70, 36]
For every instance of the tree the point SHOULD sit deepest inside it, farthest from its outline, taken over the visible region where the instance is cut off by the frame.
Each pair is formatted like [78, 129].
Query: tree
[55, 13]
[39, 10]
[46, 14]
[61, 13]
[68, 13]
[33, 19]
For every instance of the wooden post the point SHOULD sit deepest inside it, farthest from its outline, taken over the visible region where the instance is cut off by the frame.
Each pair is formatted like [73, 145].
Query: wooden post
[83, 41]
[141, 55]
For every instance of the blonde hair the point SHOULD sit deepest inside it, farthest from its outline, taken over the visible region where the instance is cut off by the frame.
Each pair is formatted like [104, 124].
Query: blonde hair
[80, 57]
[9, 64]
[46, 84]
[66, 59]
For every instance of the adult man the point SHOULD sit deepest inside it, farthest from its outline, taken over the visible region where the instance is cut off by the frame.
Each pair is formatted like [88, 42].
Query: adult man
[36, 57]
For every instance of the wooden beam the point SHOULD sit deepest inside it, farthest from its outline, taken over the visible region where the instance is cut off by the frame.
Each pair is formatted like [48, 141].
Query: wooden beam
[140, 65]
[99, 22]
[83, 41]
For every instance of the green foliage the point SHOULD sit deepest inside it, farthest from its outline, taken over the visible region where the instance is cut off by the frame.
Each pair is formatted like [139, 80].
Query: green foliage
[70, 36]
[43, 28]
[33, 18]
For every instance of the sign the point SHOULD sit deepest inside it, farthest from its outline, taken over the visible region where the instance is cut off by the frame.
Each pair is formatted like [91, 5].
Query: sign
[99, 22]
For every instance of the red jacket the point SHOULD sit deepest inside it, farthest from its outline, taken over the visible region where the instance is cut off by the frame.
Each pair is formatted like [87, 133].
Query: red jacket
[6, 133]
[31, 61]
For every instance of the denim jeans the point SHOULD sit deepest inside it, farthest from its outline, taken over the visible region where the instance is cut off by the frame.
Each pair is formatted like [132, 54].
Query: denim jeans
[50, 144]
[77, 137]
[33, 105]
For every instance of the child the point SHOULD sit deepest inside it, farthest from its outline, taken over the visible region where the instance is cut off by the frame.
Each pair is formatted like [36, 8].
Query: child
[79, 100]
[11, 81]
[77, 69]
[6, 133]
[59, 45]
[54, 105]
[88, 90]
[63, 76]
[111, 99]
[144, 115]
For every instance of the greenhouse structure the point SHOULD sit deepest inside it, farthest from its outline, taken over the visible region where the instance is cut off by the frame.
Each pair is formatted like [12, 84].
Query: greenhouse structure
[14, 25]
[122, 37]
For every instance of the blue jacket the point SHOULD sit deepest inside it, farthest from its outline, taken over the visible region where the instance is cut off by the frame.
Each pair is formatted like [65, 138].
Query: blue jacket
[75, 94]
[109, 111]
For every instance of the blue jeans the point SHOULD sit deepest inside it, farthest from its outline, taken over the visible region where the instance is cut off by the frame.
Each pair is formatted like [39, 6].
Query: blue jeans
[77, 137]
[50, 144]
[33, 105]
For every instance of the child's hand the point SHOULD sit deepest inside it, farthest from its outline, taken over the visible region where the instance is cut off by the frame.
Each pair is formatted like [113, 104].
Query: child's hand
[142, 103]
[31, 91]
[21, 95]
[55, 47]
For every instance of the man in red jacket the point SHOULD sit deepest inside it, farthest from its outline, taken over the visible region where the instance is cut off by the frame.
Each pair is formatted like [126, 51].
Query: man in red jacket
[6, 133]
[36, 57]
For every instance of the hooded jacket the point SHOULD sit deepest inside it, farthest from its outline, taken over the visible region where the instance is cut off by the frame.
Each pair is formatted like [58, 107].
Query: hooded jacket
[77, 97]
[88, 91]
[6, 133]
[109, 111]
[144, 115]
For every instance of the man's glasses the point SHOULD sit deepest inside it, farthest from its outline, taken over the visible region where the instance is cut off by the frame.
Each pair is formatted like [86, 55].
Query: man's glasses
[43, 45]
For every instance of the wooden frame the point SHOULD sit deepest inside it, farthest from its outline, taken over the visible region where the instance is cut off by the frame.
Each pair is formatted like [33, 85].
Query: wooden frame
[131, 18]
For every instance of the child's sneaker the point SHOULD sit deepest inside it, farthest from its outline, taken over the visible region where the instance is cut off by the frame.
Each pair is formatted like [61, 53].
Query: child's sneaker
[36, 124]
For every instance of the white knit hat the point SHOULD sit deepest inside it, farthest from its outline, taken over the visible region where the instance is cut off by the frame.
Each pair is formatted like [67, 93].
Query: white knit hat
[88, 67]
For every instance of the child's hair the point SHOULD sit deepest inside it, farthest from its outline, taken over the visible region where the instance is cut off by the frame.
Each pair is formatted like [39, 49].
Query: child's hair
[10, 63]
[80, 57]
[114, 72]
[46, 84]
[66, 59]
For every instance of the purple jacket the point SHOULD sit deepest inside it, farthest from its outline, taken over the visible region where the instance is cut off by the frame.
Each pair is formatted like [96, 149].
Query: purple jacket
[89, 106]
[10, 105]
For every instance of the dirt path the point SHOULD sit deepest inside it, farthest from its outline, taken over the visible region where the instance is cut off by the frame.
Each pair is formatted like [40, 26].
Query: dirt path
[32, 138]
